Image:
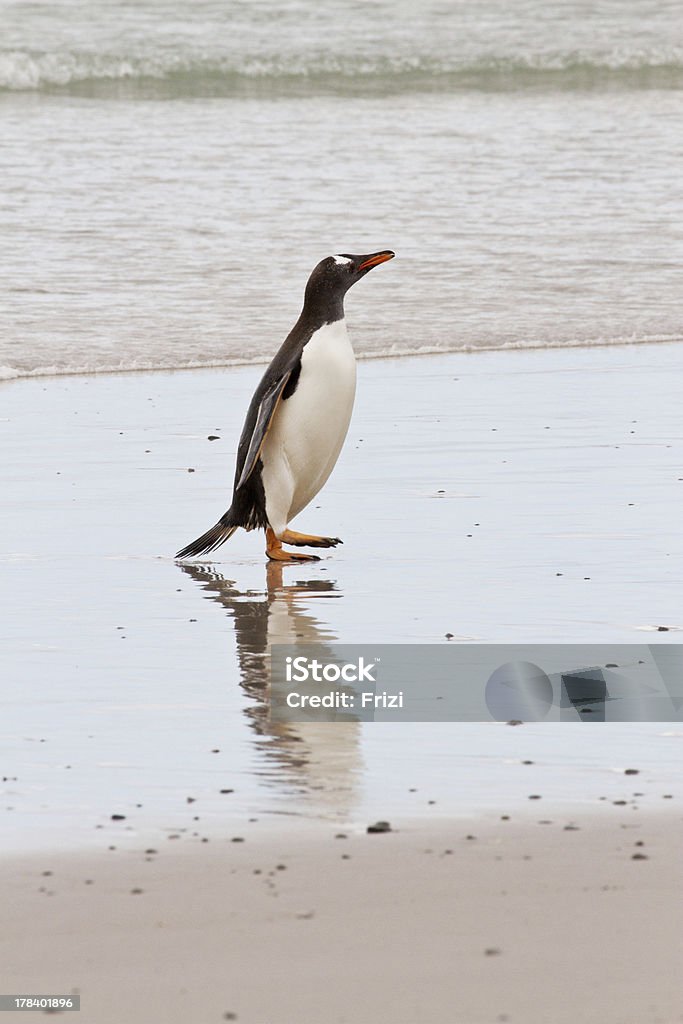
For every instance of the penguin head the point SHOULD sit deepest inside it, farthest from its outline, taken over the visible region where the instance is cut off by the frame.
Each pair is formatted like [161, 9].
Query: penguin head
[333, 276]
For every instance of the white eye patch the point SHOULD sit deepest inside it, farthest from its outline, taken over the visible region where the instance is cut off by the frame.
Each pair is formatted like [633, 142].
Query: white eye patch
[341, 260]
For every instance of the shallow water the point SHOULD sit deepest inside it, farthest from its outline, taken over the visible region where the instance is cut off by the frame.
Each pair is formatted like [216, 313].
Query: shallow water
[172, 173]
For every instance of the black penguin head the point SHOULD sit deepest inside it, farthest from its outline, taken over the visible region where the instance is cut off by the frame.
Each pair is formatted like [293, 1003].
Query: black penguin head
[332, 278]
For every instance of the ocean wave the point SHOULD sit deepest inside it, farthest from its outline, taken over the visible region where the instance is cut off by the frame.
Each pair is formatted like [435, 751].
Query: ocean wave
[168, 75]
[395, 351]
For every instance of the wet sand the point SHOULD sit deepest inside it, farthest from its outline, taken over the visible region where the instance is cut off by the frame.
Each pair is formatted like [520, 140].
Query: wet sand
[544, 923]
[501, 497]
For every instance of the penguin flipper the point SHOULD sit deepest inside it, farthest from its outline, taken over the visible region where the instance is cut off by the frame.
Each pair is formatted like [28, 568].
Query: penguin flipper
[264, 418]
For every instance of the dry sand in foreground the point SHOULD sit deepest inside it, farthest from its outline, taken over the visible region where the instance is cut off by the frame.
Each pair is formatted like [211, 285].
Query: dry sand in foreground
[536, 923]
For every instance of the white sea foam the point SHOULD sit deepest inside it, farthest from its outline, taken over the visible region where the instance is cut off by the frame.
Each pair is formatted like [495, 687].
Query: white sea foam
[394, 351]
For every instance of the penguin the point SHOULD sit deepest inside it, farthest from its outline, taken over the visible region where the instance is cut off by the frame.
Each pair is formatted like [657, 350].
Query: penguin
[297, 421]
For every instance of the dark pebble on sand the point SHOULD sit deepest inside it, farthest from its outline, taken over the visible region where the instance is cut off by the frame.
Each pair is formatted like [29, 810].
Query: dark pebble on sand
[190, 799]
[639, 856]
[571, 828]
[213, 437]
[229, 1015]
[492, 951]
[151, 850]
[237, 839]
[535, 796]
[136, 892]
[190, 470]
[639, 842]
[619, 803]
[226, 791]
[611, 664]
[379, 826]
[505, 817]
[470, 837]
[280, 867]
[527, 762]
[118, 817]
[631, 771]
[449, 636]
[341, 835]
[662, 629]
[514, 721]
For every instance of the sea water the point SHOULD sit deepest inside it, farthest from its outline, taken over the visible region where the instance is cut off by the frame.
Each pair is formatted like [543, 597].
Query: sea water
[171, 172]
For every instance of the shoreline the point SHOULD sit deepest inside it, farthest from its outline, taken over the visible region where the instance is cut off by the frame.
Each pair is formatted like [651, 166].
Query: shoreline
[422, 353]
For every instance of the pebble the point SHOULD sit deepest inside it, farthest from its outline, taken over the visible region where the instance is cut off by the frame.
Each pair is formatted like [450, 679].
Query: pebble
[379, 826]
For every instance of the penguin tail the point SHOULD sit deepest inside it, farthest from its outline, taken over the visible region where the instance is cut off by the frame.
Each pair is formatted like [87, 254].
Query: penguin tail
[208, 541]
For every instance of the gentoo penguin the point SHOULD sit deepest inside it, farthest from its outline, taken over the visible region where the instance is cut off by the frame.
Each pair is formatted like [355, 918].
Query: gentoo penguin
[297, 420]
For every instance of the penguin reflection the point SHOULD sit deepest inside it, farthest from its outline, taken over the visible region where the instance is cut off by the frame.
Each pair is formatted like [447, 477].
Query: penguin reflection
[320, 760]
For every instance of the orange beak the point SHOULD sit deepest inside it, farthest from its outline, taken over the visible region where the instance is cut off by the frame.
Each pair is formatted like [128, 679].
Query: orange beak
[376, 259]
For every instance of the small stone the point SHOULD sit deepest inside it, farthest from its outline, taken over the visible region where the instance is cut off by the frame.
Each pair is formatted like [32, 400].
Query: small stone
[639, 856]
[213, 437]
[237, 839]
[379, 826]
[136, 892]
[118, 817]
[631, 771]
[535, 796]
[492, 951]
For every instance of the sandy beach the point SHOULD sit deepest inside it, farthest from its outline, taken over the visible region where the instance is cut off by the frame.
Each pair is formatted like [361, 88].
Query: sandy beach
[509, 496]
[546, 923]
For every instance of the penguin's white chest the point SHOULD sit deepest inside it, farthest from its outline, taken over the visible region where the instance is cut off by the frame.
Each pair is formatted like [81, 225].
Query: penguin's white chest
[309, 427]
